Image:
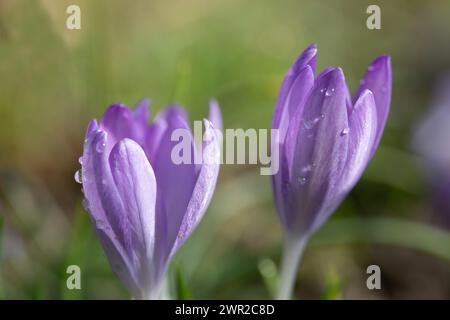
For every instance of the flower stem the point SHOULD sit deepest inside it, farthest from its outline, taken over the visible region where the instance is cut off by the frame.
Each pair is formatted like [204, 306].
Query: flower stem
[293, 250]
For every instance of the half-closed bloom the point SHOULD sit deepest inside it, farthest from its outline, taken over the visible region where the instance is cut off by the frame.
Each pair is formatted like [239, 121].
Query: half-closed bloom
[142, 204]
[326, 139]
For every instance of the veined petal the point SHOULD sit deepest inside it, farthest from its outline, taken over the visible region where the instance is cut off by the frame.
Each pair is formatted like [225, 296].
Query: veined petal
[175, 183]
[296, 100]
[113, 247]
[170, 113]
[136, 184]
[378, 79]
[120, 122]
[320, 152]
[282, 112]
[362, 134]
[307, 57]
[157, 129]
[142, 112]
[204, 186]
[215, 116]
[287, 134]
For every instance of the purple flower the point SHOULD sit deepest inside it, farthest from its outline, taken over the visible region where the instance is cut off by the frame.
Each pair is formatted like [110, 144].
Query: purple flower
[326, 139]
[144, 206]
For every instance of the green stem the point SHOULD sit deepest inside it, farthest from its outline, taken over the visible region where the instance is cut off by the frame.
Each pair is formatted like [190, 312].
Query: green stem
[293, 251]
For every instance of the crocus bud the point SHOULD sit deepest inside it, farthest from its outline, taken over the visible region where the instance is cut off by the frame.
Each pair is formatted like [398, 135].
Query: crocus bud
[144, 206]
[326, 139]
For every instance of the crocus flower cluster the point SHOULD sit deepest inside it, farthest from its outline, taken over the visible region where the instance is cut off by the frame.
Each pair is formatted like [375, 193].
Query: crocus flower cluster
[326, 139]
[144, 206]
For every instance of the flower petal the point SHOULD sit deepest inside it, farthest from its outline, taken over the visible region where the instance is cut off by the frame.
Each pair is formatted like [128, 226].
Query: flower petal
[378, 79]
[142, 112]
[175, 183]
[215, 116]
[114, 249]
[362, 134]
[296, 100]
[204, 186]
[136, 184]
[120, 122]
[283, 112]
[320, 152]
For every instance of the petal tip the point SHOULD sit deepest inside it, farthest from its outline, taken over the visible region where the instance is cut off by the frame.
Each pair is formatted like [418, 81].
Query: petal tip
[381, 62]
[307, 57]
[92, 127]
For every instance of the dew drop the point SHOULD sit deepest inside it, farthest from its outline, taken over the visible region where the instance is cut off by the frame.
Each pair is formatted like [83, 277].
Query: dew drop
[345, 131]
[78, 176]
[322, 90]
[309, 124]
[302, 180]
[100, 147]
[308, 168]
[329, 92]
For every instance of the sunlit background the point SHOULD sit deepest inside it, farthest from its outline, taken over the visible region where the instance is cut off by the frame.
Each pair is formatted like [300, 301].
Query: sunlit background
[53, 80]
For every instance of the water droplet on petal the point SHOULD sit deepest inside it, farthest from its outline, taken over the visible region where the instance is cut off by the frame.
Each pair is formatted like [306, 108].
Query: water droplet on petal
[329, 92]
[323, 90]
[100, 147]
[345, 131]
[302, 180]
[80, 160]
[309, 124]
[78, 176]
[308, 168]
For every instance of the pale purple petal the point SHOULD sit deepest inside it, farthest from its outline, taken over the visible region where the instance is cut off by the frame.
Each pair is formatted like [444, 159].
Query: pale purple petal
[136, 184]
[142, 112]
[378, 79]
[175, 183]
[320, 153]
[362, 133]
[120, 122]
[113, 248]
[204, 186]
[301, 88]
[282, 111]
[215, 116]
[289, 126]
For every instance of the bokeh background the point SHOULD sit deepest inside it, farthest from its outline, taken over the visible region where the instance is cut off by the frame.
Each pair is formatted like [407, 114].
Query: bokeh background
[53, 80]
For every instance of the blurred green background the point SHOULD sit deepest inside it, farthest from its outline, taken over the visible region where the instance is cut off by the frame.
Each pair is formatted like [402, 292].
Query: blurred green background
[53, 80]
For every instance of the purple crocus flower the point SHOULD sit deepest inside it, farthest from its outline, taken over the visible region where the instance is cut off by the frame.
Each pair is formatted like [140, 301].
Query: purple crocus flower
[326, 139]
[144, 206]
